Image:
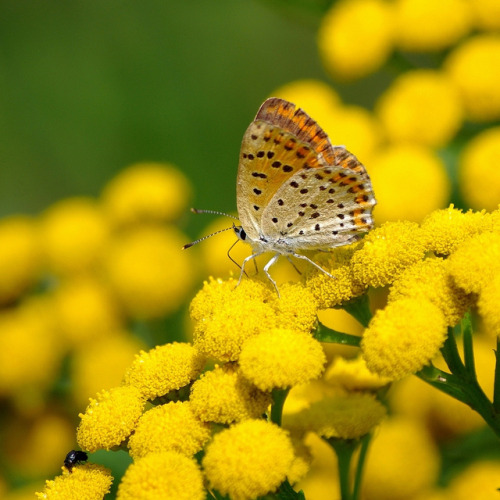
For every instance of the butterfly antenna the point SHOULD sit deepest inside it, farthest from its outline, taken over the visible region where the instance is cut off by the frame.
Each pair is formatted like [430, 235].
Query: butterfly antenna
[215, 212]
[207, 236]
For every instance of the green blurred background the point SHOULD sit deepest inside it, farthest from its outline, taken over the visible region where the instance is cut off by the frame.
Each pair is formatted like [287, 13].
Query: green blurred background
[88, 88]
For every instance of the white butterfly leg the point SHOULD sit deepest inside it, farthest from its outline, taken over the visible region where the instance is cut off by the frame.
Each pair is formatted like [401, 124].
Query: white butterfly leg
[250, 257]
[304, 257]
[273, 259]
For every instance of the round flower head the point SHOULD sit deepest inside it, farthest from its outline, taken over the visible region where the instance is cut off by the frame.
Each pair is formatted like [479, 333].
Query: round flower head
[281, 358]
[479, 172]
[475, 261]
[348, 416]
[486, 14]
[431, 279]
[169, 427]
[479, 480]
[110, 418]
[149, 272]
[488, 305]
[248, 460]
[404, 337]
[146, 192]
[73, 234]
[224, 396]
[474, 66]
[168, 475]
[445, 230]
[386, 252]
[404, 108]
[409, 193]
[410, 458]
[226, 317]
[425, 25]
[89, 482]
[361, 27]
[165, 368]
[20, 257]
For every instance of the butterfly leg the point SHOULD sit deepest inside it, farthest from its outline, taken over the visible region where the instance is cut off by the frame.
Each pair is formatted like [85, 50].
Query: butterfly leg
[293, 264]
[317, 266]
[273, 259]
[250, 257]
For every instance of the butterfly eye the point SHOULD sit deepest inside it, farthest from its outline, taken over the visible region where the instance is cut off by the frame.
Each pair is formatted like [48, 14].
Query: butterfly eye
[240, 232]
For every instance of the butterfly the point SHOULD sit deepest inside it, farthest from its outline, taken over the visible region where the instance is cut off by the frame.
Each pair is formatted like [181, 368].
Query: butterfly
[295, 190]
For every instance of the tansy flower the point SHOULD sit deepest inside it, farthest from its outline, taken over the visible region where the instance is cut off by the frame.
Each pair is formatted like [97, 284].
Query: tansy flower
[431, 279]
[476, 261]
[302, 461]
[353, 375]
[445, 230]
[110, 418]
[404, 108]
[146, 192]
[20, 257]
[84, 310]
[403, 337]
[425, 25]
[486, 14]
[479, 480]
[343, 287]
[360, 27]
[165, 368]
[479, 170]
[386, 252]
[413, 191]
[168, 475]
[341, 416]
[474, 66]
[248, 460]
[148, 270]
[281, 358]
[168, 427]
[410, 457]
[296, 307]
[89, 482]
[73, 234]
[487, 303]
[227, 317]
[224, 396]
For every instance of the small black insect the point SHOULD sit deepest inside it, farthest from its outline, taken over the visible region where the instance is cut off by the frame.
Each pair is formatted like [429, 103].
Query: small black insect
[75, 457]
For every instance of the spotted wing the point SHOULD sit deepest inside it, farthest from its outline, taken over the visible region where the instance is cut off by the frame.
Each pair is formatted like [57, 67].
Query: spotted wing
[281, 141]
[323, 207]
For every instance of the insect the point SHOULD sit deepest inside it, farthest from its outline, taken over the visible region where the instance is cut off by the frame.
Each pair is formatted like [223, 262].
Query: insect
[75, 457]
[295, 190]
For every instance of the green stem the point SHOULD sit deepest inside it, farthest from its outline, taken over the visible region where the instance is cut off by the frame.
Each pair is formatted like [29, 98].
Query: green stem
[496, 391]
[279, 397]
[359, 308]
[451, 355]
[365, 441]
[325, 334]
[344, 449]
[468, 347]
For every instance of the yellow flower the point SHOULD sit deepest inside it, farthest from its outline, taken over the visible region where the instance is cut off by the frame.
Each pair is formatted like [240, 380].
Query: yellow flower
[146, 192]
[167, 475]
[89, 482]
[100, 364]
[296, 307]
[475, 261]
[74, 233]
[149, 271]
[110, 418]
[169, 427]
[474, 66]
[165, 368]
[248, 460]
[404, 108]
[430, 279]
[84, 310]
[315, 97]
[412, 191]
[386, 252]
[480, 170]
[356, 37]
[343, 287]
[224, 396]
[348, 416]
[479, 480]
[19, 257]
[281, 358]
[404, 337]
[426, 25]
[353, 375]
[445, 230]
[410, 461]
[487, 304]
[486, 14]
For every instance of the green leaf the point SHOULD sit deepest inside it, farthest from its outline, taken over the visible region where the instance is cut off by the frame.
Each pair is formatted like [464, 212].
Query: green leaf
[325, 334]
